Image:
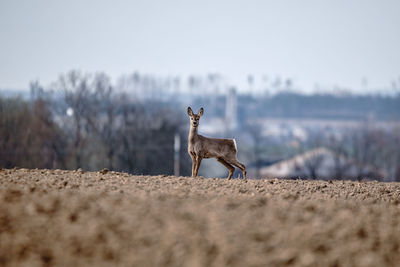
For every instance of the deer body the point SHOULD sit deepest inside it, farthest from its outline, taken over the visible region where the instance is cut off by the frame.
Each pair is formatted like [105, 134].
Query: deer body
[199, 147]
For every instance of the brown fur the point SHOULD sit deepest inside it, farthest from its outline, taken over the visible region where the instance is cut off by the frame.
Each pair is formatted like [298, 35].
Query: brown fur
[199, 147]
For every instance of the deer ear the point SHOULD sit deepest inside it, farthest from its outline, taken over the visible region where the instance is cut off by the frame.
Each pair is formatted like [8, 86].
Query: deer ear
[201, 111]
[190, 111]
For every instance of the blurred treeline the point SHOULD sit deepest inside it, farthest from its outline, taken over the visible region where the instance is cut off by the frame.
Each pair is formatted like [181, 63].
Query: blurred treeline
[85, 121]
[323, 106]
[82, 122]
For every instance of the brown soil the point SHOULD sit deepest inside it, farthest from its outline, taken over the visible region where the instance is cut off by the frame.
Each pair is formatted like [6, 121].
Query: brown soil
[75, 218]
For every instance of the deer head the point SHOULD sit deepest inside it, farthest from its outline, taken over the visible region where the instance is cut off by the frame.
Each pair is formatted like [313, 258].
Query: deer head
[195, 118]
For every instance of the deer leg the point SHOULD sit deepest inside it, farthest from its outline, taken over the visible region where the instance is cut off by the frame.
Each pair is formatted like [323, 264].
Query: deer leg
[230, 168]
[197, 165]
[236, 163]
[193, 164]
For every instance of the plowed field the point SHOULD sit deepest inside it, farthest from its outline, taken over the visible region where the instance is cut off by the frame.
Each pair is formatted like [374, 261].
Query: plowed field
[75, 218]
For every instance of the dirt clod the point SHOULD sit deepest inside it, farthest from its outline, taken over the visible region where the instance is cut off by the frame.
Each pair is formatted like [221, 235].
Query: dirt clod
[104, 171]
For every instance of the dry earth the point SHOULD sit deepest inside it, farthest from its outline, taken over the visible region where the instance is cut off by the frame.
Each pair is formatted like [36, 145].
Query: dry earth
[75, 218]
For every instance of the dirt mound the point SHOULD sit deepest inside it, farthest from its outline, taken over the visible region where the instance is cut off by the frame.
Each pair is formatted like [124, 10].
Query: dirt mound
[64, 218]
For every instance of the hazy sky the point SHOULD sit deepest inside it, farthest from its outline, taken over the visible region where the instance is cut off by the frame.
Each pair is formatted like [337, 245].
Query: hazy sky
[328, 43]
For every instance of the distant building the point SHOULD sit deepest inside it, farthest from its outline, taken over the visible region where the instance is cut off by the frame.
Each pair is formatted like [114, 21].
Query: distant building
[321, 163]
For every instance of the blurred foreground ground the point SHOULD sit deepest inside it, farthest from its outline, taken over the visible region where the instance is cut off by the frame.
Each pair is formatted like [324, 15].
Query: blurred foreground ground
[66, 218]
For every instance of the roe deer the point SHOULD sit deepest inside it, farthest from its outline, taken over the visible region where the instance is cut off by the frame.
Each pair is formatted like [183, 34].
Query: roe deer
[199, 147]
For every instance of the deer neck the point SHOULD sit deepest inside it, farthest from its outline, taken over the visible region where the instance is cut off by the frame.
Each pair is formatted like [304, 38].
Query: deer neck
[193, 133]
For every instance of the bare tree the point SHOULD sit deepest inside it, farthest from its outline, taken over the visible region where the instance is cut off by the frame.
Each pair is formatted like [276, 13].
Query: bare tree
[28, 135]
[340, 157]
[79, 99]
[313, 158]
[312, 165]
[105, 116]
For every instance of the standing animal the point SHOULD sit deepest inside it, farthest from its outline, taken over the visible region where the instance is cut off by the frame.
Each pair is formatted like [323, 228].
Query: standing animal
[199, 147]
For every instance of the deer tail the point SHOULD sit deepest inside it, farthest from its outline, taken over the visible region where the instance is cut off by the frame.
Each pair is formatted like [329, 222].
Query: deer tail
[234, 143]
